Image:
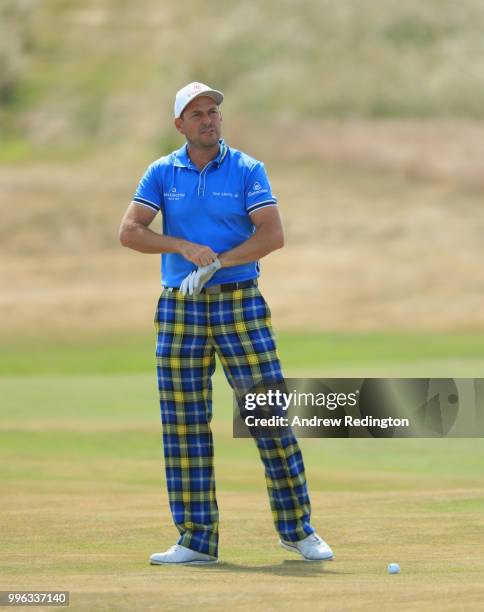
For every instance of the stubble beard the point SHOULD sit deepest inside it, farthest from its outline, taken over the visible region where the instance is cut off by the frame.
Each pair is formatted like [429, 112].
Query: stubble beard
[209, 143]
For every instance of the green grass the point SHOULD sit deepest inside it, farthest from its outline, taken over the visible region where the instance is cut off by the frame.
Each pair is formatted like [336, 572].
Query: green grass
[83, 500]
[134, 353]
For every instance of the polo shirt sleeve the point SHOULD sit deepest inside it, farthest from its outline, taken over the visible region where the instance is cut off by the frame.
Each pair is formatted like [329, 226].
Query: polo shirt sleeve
[149, 192]
[258, 191]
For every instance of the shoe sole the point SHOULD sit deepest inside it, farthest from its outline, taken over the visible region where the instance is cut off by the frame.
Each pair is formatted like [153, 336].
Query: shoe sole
[295, 550]
[209, 562]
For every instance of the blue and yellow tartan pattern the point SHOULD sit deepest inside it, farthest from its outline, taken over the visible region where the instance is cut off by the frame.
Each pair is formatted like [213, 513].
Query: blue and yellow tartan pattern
[236, 326]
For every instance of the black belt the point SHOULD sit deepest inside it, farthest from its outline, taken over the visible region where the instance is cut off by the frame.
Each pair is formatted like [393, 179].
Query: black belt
[224, 287]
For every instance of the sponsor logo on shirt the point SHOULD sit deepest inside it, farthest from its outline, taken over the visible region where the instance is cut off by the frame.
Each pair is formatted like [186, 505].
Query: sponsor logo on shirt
[256, 189]
[225, 194]
[173, 195]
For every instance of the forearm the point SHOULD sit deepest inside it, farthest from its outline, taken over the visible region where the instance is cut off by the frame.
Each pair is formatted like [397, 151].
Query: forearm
[262, 242]
[140, 238]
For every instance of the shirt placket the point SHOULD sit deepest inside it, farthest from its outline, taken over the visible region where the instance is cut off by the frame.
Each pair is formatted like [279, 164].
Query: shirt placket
[201, 179]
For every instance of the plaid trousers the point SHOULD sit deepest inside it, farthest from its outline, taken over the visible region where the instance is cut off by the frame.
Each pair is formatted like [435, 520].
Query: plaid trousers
[236, 326]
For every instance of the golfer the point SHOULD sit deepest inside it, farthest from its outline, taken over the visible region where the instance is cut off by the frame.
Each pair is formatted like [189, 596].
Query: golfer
[219, 218]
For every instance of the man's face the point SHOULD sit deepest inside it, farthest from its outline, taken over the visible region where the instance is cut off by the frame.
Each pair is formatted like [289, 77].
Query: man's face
[200, 123]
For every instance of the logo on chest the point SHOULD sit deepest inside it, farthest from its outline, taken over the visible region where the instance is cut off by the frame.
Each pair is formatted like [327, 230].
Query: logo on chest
[173, 195]
[225, 194]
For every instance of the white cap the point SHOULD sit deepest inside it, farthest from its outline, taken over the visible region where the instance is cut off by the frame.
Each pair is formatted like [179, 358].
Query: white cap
[192, 91]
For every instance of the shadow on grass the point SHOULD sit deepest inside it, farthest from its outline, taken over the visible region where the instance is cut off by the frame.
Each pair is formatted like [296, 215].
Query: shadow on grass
[301, 569]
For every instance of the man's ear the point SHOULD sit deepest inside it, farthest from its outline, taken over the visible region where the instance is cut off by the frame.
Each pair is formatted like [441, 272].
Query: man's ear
[179, 125]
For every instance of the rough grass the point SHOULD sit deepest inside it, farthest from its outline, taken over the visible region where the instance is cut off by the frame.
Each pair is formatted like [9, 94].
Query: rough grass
[78, 77]
[383, 231]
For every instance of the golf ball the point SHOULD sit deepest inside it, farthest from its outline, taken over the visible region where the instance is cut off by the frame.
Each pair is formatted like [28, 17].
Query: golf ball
[393, 568]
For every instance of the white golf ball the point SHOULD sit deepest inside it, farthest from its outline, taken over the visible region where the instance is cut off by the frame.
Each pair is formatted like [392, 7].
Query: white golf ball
[393, 568]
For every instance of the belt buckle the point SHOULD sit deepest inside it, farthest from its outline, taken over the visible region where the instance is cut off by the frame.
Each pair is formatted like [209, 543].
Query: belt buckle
[213, 289]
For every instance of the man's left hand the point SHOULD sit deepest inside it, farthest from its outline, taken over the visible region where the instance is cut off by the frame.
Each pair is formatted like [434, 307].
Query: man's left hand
[195, 281]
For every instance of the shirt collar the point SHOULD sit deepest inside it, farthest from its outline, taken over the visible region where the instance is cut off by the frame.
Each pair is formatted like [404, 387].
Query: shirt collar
[182, 159]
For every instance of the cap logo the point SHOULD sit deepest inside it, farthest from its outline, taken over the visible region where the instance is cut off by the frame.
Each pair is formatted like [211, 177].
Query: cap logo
[185, 95]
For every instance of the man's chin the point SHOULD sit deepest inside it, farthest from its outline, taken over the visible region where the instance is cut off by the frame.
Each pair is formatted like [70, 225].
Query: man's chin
[209, 142]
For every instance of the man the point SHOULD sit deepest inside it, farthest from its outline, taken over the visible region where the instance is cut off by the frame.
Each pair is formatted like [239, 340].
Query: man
[219, 219]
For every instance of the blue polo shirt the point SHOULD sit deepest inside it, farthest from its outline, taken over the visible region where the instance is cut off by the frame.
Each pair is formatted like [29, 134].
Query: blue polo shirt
[211, 206]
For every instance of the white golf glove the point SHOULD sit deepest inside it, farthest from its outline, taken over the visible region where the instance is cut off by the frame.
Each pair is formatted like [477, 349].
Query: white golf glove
[195, 281]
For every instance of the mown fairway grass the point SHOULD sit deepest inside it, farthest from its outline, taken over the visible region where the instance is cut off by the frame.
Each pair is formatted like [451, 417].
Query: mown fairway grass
[83, 500]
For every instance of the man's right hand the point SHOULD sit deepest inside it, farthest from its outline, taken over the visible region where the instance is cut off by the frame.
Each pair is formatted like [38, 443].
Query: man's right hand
[198, 254]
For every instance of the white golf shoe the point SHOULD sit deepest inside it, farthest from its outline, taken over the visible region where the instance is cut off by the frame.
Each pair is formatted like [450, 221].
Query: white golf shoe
[181, 554]
[312, 548]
